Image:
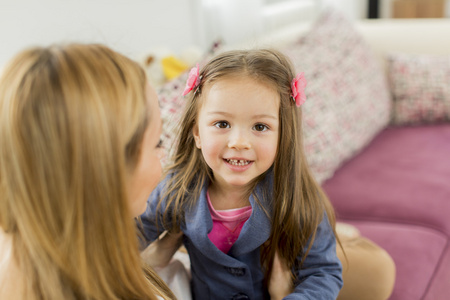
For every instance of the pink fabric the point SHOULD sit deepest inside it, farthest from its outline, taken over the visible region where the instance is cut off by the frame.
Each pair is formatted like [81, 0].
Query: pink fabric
[402, 176]
[397, 192]
[227, 225]
[416, 251]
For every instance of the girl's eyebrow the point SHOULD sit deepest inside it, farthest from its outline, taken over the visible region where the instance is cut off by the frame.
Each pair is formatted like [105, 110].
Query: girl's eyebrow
[260, 116]
[219, 113]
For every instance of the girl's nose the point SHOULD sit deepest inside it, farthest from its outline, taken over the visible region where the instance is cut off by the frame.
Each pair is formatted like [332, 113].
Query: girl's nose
[239, 141]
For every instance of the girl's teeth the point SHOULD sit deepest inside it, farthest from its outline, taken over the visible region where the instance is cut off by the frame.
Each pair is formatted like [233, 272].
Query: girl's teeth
[238, 162]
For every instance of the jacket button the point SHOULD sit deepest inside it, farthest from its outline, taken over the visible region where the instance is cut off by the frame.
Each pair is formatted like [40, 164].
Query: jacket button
[236, 271]
[240, 296]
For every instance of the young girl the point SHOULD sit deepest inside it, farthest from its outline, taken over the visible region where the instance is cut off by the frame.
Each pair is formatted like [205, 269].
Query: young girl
[79, 134]
[239, 187]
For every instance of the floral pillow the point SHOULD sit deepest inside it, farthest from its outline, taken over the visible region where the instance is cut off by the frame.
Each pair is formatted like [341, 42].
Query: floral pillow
[348, 100]
[172, 102]
[420, 86]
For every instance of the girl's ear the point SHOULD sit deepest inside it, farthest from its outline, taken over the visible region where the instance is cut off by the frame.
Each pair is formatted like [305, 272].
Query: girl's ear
[196, 136]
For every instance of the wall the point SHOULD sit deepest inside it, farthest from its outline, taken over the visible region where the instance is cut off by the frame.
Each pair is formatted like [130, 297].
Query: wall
[138, 27]
[131, 27]
[237, 21]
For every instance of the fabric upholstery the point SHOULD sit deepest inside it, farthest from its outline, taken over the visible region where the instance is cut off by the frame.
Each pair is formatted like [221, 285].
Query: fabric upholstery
[348, 100]
[420, 87]
[402, 176]
[416, 252]
[397, 192]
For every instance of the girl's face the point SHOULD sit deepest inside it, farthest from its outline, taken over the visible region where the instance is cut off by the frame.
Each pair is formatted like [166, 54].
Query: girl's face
[147, 172]
[237, 129]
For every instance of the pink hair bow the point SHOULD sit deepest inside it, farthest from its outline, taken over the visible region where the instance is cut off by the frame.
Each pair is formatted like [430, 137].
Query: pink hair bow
[298, 86]
[193, 80]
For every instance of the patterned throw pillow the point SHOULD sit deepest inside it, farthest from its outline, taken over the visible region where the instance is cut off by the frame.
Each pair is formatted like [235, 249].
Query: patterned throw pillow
[348, 101]
[172, 103]
[420, 87]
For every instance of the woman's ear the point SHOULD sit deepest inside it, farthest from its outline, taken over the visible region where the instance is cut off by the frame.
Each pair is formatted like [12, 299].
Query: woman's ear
[196, 134]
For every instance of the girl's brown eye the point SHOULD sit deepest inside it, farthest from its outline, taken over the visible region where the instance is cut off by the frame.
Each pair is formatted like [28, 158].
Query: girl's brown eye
[260, 127]
[222, 124]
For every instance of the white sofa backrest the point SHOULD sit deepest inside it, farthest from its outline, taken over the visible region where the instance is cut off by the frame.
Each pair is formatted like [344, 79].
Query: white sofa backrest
[418, 36]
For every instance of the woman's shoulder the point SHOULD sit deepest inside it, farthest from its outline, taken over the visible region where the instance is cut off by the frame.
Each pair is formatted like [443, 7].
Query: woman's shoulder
[9, 273]
[5, 253]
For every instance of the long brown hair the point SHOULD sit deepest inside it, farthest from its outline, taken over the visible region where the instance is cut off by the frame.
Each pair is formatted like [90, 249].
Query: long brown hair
[72, 120]
[298, 202]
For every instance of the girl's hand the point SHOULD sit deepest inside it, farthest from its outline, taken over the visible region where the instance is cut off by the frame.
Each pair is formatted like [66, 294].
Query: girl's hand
[159, 253]
[280, 282]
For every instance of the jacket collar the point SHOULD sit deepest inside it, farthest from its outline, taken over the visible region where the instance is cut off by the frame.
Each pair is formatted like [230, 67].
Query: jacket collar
[253, 234]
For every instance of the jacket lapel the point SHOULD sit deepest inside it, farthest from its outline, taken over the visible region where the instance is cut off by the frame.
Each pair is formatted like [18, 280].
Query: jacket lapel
[253, 234]
[198, 225]
[256, 230]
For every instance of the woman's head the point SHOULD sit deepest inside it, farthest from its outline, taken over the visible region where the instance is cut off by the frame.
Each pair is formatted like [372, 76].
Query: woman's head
[146, 173]
[73, 122]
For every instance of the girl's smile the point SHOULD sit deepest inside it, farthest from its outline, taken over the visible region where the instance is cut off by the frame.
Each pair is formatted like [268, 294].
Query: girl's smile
[238, 164]
[237, 129]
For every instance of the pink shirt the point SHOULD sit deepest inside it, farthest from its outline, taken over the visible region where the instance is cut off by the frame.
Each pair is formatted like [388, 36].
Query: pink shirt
[227, 225]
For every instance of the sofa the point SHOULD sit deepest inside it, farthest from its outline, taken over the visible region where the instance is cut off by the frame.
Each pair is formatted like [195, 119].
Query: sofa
[376, 134]
[396, 189]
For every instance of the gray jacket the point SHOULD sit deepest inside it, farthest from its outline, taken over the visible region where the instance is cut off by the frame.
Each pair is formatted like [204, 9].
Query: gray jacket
[238, 274]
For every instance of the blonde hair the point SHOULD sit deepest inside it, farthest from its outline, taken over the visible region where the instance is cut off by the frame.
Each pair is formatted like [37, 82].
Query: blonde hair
[72, 119]
[295, 207]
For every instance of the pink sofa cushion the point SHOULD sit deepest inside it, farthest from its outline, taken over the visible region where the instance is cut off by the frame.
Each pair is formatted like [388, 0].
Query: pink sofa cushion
[420, 87]
[416, 252]
[348, 100]
[403, 176]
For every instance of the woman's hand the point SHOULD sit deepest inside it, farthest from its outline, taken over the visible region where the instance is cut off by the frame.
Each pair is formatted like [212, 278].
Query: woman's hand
[280, 283]
[159, 253]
